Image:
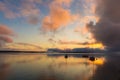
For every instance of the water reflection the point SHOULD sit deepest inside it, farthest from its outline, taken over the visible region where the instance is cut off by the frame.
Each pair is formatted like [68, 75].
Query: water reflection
[4, 71]
[44, 67]
[110, 70]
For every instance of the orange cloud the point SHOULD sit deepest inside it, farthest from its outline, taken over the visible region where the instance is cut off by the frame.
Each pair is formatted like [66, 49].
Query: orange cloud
[58, 16]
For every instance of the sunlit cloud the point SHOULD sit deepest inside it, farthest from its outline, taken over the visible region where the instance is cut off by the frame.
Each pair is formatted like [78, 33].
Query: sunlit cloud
[58, 16]
[81, 44]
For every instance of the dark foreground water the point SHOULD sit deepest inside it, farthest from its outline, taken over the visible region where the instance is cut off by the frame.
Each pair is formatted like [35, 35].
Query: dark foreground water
[46, 67]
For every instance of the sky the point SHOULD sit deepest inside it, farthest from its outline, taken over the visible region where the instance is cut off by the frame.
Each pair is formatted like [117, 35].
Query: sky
[43, 24]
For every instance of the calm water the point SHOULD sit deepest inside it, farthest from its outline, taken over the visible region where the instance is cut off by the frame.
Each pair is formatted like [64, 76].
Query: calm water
[44, 67]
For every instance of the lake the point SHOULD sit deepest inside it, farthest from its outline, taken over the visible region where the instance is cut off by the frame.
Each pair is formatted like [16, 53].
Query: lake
[56, 67]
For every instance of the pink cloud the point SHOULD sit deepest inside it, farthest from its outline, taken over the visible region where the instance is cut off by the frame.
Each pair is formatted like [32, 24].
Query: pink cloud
[4, 30]
[6, 39]
[8, 13]
[28, 10]
[5, 34]
[64, 2]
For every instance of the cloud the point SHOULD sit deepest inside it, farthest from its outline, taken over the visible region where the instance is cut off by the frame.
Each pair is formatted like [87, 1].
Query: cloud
[34, 1]
[52, 40]
[8, 13]
[65, 2]
[33, 20]
[27, 9]
[23, 46]
[90, 6]
[75, 42]
[6, 39]
[107, 29]
[5, 30]
[110, 10]
[58, 16]
[30, 11]
[5, 35]
[82, 30]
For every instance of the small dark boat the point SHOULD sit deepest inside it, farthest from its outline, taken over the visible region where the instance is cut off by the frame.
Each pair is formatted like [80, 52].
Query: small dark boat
[85, 56]
[92, 58]
[66, 56]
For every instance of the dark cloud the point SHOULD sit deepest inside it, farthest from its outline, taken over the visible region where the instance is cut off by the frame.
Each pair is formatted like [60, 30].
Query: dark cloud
[107, 30]
[110, 10]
